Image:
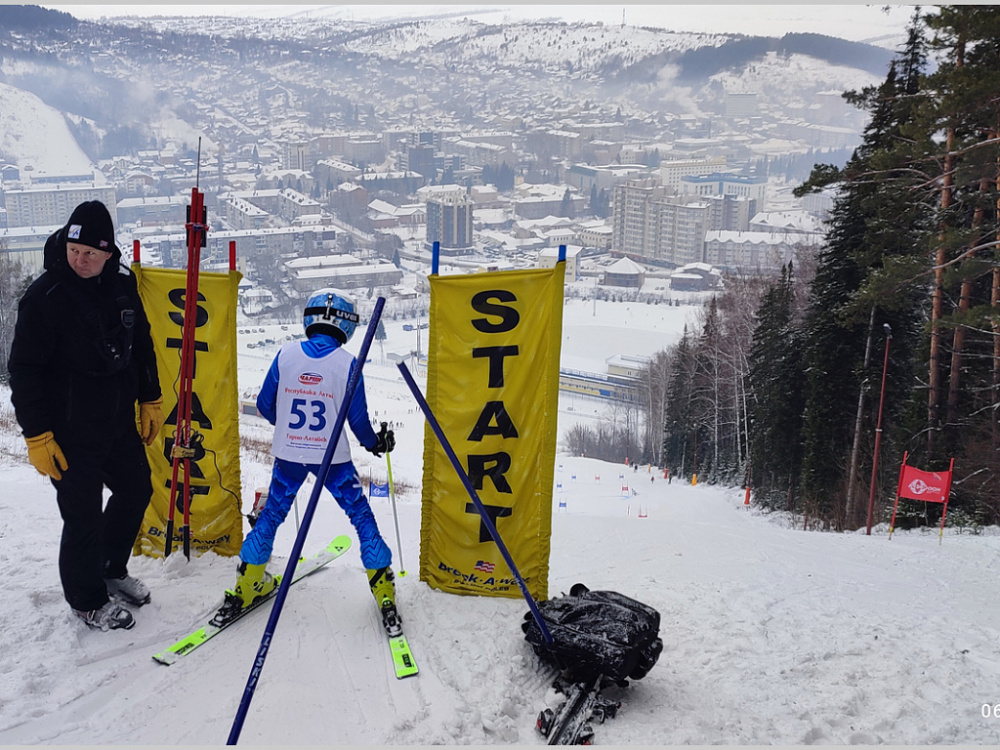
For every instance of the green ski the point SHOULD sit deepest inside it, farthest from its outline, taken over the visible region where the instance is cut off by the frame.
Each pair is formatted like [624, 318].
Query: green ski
[402, 658]
[305, 566]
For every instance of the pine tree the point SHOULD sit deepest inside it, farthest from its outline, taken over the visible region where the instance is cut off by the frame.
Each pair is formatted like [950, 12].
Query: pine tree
[856, 289]
[964, 351]
[678, 425]
[965, 84]
[776, 411]
[566, 207]
[709, 394]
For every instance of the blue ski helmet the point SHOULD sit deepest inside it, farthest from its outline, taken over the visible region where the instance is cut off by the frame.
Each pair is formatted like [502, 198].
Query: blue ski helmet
[331, 311]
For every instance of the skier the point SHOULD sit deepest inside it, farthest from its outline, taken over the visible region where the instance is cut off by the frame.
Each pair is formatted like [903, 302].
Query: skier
[82, 357]
[301, 396]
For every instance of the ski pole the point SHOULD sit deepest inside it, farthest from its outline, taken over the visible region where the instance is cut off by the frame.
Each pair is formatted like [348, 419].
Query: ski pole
[395, 518]
[300, 538]
[487, 522]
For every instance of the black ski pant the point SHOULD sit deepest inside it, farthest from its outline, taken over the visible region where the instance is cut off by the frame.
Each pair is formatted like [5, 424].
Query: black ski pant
[97, 538]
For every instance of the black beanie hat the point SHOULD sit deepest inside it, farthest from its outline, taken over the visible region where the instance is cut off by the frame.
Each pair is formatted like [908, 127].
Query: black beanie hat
[90, 224]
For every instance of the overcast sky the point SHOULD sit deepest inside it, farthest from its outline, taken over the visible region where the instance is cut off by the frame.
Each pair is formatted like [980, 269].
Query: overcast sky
[856, 21]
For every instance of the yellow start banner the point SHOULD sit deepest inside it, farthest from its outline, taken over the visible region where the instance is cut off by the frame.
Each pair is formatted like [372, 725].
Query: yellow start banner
[216, 521]
[493, 385]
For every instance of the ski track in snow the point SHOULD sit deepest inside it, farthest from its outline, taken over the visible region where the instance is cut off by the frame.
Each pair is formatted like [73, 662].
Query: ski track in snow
[771, 635]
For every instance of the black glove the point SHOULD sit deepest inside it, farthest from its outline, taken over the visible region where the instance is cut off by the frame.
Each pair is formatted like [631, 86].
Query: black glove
[385, 441]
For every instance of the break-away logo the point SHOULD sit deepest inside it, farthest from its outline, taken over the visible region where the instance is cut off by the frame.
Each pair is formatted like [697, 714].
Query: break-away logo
[310, 378]
[482, 577]
[920, 487]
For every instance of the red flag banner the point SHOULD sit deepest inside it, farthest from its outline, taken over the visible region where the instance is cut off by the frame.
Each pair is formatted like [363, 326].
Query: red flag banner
[928, 486]
[931, 487]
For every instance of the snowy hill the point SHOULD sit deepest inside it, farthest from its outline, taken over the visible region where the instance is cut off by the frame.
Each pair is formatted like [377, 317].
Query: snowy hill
[581, 51]
[772, 635]
[452, 70]
[35, 136]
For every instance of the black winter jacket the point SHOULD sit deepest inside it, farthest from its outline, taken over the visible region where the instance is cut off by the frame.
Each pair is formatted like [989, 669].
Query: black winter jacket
[82, 354]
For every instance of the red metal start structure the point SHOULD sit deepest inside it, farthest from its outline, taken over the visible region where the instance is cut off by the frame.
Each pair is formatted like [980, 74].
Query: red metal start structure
[186, 439]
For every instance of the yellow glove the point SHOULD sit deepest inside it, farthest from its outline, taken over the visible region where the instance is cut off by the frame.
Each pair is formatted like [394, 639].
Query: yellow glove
[46, 455]
[150, 420]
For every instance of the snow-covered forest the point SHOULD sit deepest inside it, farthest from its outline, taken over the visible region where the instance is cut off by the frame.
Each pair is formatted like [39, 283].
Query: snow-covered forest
[780, 383]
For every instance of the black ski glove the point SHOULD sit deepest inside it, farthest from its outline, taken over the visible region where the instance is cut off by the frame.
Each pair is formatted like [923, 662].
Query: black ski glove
[385, 441]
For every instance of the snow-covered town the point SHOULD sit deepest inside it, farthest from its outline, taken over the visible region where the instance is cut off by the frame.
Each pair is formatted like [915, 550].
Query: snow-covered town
[501, 141]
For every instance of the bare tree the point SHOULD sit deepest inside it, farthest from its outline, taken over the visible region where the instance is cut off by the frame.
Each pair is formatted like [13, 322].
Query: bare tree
[12, 286]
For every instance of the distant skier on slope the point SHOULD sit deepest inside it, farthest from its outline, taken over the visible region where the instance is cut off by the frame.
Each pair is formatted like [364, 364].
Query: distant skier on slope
[302, 395]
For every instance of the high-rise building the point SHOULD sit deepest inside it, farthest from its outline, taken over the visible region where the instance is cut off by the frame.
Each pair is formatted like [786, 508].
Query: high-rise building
[730, 212]
[633, 216]
[681, 231]
[735, 198]
[419, 158]
[649, 224]
[296, 154]
[449, 221]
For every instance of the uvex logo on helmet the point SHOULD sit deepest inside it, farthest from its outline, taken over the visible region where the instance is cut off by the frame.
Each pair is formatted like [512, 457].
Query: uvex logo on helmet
[310, 378]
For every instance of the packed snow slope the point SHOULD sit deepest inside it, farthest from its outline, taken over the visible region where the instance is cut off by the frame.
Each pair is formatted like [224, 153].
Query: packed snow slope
[772, 635]
[36, 137]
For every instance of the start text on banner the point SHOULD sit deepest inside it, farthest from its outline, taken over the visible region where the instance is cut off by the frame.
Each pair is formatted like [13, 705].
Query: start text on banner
[493, 384]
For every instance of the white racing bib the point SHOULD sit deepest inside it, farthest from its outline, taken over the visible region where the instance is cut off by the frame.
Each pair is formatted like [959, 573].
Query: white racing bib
[310, 393]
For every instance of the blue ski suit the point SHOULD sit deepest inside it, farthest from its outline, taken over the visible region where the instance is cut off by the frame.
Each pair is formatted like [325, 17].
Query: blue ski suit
[342, 480]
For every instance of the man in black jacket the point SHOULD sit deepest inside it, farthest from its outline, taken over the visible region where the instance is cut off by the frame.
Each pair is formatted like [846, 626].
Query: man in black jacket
[82, 357]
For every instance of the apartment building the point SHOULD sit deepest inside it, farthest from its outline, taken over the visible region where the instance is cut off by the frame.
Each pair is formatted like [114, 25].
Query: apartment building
[751, 187]
[170, 209]
[585, 177]
[671, 171]
[449, 221]
[42, 203]
[648, 223]
[757, 253]
[340, 271]
[242, 214]
[26, 245]
[331, 172]
[251, 244]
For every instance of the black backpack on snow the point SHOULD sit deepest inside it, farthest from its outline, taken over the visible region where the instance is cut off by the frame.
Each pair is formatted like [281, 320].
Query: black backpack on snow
[596, 633]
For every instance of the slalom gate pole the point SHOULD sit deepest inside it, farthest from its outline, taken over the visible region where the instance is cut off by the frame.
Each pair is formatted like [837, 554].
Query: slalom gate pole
[198, 226]
[899, 487]
[432, 420]
[947, 494]
[395, 518]
[300, 538]
[183, 449]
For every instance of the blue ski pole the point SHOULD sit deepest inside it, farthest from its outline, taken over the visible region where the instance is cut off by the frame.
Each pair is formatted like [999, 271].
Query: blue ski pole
[300, 538]
[532, 605]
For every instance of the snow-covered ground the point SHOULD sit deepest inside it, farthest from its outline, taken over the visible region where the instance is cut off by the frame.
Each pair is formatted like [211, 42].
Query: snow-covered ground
[772, 635]
[35, 136]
